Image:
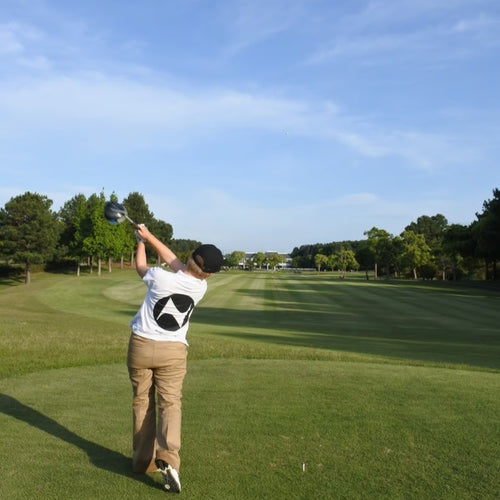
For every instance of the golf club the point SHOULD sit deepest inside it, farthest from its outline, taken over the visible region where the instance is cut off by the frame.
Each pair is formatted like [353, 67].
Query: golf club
[116, 213]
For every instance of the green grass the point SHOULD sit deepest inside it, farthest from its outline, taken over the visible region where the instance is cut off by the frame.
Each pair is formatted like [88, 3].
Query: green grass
[298, 386]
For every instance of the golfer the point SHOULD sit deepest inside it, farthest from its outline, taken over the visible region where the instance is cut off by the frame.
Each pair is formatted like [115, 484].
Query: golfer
[157, 352]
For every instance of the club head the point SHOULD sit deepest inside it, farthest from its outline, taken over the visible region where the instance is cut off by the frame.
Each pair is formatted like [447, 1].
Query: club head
[115, 213]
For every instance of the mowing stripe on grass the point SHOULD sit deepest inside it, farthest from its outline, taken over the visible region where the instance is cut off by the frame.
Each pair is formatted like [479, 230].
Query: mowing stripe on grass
[401, 321]
[259, 315]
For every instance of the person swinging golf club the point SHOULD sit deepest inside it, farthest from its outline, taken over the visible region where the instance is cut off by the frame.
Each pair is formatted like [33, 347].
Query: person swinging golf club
[157, 352]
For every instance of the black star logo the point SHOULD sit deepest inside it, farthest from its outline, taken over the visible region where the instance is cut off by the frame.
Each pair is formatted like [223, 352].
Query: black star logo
[173, 312]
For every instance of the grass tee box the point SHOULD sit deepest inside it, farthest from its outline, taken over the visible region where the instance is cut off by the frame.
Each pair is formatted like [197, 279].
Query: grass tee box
[299, 386]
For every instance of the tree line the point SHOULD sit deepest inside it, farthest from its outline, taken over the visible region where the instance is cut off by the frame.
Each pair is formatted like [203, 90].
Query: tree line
[32, 233]
[428, 248]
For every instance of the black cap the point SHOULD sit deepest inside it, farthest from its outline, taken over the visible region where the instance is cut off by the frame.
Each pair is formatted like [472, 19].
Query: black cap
[209, 258]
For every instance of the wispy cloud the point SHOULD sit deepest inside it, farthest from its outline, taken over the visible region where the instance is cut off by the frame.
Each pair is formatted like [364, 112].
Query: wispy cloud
[250, 23]
[406, 31]
[358, 47]
[24, 47]
[9, 39]
[425, 151]
[480, 24]
[101, 101]
[132, 114]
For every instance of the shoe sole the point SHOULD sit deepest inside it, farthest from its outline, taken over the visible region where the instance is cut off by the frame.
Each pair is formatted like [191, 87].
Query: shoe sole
[170, 484]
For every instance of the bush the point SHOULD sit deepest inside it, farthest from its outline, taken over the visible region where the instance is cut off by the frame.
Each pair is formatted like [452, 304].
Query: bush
[428, 272]
[11, 271]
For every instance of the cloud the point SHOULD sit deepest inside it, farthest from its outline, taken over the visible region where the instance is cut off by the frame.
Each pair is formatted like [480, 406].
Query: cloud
[357, 47]
[116, 112]
[9, 40]
[117, 100]
[417, 33]
[119, 105]
[481, 24]
[425, 151]
[251, 23]
[392, 15]
[22, 45]
[357, 199]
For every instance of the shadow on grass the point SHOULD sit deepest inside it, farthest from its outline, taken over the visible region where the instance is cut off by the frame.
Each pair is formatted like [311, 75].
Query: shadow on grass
[11, 281]
[457, 326]
[430, 346]
[101, 457]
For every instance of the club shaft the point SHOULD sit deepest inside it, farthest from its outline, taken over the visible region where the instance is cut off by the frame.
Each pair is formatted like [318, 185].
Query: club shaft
[131, 221]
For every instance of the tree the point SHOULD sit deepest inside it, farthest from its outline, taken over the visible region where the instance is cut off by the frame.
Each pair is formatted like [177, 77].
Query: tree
[259, 258]
[162, 230]
[275, 259]
[71, 215]
[179, 246]
[120, 242]
[67, 215]
[416, 252]
[346, 260]
[183, 248]
[29, 230]
[100, 239]
[304, 256]
[138, 209]
[365, 256]
[432, 228]
[332, 261]
[458, 245]
[320, 260]
[236, 257]
[93, 243]
[487, 232]
[380, 243]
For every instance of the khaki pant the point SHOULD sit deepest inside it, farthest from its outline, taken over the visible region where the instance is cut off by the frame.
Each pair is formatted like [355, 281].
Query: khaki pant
[156, 367]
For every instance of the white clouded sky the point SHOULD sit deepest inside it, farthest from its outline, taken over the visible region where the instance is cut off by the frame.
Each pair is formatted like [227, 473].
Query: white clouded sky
[257, 125]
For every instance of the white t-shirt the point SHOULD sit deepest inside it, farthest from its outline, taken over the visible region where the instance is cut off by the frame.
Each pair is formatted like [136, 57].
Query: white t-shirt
[170, 300]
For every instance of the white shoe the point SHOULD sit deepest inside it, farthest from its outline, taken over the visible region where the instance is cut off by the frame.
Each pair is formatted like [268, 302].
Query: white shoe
[171, 479]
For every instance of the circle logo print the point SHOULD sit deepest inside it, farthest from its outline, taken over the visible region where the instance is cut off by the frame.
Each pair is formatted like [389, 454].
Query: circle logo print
[173, 312]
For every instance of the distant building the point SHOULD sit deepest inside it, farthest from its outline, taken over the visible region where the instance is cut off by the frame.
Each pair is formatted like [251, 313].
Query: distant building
[249, 258]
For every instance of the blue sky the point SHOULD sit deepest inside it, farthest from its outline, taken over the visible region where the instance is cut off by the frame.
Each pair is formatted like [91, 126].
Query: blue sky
[256, 125]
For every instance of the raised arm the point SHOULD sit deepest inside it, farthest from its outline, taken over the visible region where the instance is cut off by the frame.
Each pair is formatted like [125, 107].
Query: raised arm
[160, 248]
[141, 263]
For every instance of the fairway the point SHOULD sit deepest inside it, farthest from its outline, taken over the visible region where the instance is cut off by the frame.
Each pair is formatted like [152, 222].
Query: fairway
[299, 386]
